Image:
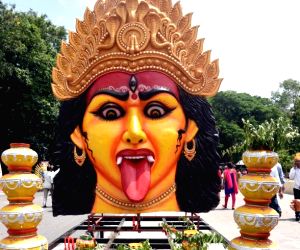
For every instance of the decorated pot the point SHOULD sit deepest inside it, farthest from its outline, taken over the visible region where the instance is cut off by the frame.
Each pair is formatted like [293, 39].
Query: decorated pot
[256, 221]
[85, 242]
[258, 188]
[36, 242]
[19, 157]
[190, 232]
[241, 243]
[20, 186]
[259, 160]
[21, 218]
[186, 244]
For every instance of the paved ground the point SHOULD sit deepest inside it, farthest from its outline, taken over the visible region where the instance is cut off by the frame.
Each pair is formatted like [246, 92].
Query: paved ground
[50, 227]
[286, 233]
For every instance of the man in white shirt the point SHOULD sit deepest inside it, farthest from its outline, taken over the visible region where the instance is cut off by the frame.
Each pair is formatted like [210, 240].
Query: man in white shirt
[274, 201]
[295, 175]
[48, 177]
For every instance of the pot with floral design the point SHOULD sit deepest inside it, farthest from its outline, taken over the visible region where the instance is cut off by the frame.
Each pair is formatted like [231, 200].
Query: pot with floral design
[19, 157]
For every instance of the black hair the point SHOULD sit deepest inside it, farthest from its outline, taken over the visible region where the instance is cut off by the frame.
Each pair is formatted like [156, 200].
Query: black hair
[230, 165]
[197, 181]
[74, 186]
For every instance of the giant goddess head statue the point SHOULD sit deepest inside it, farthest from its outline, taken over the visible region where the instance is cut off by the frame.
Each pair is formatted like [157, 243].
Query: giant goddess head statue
[135, 132]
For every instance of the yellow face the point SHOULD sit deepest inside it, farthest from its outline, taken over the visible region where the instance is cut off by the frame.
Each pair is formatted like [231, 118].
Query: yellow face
[134, 136]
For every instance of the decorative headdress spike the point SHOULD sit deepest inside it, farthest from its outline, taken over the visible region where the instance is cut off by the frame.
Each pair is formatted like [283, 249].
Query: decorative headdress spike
[133, 36]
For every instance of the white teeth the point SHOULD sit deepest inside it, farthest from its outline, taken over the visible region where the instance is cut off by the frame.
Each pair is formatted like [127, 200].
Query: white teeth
[150, 158]
[134, 157]
[119, 160]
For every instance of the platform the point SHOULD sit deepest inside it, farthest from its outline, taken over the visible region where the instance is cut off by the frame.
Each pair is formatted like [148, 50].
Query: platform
[112, 230]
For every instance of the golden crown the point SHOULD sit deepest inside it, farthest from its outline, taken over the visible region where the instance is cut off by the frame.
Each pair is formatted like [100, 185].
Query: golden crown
[133, 36]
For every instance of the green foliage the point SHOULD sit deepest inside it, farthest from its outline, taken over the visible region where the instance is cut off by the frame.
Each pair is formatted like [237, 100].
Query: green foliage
[198, 241]
[278, 135]
[144, 246]
[287, 98]
[28, 47]
[296, 113]
[287, 95]
[273, 135]
[286, 159]
[230, 108]
[234, 152]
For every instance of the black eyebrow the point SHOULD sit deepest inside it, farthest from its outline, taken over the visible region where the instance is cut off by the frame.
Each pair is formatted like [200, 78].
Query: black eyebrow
[148, 94]
[123, 96]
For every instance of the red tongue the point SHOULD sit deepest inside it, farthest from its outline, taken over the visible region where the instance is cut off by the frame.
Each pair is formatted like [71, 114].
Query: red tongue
[135, 176]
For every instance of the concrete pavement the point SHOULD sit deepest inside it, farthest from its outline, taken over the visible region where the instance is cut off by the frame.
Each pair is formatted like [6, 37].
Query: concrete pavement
[50, 227]
[286, 233]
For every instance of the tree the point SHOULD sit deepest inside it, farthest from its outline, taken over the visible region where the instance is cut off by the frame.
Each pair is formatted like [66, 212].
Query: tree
[28, 47]
[296, 113]
[287, 95]
[230, 107]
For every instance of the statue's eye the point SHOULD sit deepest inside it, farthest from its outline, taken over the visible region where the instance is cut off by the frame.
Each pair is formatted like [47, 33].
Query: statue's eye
[156, 110]
[110, 112]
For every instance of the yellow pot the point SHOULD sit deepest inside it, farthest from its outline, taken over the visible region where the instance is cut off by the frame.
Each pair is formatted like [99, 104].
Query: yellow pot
[241, 243]
[190, 232]
[36, 242]
[256, 221]
[19, 157]
[186, 245]
[135, 245]
[85, 242]
[21, 216]
[260, 160]
[20, 186]
[259, 188]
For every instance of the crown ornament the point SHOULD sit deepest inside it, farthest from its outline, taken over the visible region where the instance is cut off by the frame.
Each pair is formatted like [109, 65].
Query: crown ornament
[133, 36]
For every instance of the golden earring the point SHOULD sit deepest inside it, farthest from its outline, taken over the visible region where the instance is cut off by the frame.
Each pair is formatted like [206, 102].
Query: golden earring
[190, 153]
[79, 159]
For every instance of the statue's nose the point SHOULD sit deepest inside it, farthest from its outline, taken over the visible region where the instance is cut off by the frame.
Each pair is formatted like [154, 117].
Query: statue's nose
[134, 133]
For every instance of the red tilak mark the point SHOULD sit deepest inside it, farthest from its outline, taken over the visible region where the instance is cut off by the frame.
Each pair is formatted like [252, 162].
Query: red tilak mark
[134, 96]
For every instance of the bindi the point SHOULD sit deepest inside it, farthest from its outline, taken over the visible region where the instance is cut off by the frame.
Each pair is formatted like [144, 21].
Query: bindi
[133, 86]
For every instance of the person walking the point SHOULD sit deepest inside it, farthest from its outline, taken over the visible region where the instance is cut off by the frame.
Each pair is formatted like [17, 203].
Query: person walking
[230, 184]
[277, 173]
[48, 177]
[295, 175]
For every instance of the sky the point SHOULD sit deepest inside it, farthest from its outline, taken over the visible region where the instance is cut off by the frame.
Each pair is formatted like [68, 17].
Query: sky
[257, 42]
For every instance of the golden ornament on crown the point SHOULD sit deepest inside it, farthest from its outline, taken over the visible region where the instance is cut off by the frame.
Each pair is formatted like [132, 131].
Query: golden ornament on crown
[133, 36]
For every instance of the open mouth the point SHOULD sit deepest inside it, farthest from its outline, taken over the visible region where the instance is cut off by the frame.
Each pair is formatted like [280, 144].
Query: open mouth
[135, 167]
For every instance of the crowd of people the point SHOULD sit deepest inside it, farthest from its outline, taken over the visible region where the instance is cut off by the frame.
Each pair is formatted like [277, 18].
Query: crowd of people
[230, 175]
